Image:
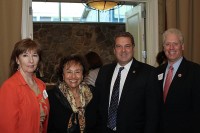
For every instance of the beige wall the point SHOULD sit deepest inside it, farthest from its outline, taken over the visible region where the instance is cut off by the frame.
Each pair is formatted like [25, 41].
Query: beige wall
[10, 27]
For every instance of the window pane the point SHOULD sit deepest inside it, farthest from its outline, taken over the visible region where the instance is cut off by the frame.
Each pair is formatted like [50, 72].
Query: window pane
[90, 15]
[71, 11]
[45, 11]
[76, 12]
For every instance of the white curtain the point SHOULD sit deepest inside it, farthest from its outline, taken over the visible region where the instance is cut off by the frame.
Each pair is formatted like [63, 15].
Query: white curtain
[27, 23]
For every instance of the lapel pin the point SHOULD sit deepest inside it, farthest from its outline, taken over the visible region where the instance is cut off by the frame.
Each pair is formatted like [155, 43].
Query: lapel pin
[179, 75]
[134, 71]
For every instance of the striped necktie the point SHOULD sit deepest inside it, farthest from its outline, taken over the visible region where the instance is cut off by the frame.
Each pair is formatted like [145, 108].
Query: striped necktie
[112, 113]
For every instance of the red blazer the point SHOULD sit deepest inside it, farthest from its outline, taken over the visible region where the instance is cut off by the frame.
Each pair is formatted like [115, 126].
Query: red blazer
[20, 111]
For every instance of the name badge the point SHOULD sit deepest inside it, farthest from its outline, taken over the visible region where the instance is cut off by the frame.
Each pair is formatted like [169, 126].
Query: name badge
[45, 95]
[160, 76]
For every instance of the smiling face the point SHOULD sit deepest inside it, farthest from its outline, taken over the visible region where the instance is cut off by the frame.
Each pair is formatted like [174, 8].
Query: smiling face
[73, 74]
[28, 61]
[173, 48]
[123, 50]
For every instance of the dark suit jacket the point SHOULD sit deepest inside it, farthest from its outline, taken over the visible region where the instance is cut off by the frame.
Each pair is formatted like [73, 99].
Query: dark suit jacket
[139, 102]
[181, 111]
[60, 112]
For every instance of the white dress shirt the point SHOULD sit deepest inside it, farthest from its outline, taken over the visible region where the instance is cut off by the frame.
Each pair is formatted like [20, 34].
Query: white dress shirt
[124, 73]
[175, 66]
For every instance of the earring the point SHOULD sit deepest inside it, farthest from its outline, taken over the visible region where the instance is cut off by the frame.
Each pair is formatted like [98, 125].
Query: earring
[37, 69]
[18, 68]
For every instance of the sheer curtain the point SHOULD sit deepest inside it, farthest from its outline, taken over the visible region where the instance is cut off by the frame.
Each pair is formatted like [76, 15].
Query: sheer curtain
[184, 15]
[27, 23]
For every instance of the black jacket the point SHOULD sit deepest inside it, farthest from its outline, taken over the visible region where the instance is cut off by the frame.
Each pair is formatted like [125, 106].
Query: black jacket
[60, 112]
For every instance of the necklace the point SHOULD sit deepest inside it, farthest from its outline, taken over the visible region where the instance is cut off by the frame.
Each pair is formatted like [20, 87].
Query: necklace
[34, 87]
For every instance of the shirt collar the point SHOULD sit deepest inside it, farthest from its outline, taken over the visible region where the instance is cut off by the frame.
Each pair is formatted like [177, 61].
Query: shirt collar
[176, 64]
[127, 66]
[21, 79]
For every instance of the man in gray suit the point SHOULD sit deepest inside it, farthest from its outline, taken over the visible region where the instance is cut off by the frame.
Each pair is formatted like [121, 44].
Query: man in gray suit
[137, 108]
[179, 81]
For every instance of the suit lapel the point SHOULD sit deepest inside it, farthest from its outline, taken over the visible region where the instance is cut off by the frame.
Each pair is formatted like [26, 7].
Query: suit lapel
[63, 100]
[177, 80]
[179, 76]
[107, 85]
[161, 75]
[134, 69]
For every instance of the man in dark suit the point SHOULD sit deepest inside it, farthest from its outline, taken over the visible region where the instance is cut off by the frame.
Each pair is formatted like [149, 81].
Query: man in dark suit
[181, 99]
[138, 99]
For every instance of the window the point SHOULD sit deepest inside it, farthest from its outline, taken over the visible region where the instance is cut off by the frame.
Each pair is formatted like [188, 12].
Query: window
[75, 12]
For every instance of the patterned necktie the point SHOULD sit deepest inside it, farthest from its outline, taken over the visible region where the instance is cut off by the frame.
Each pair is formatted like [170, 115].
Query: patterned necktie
[112, 113]
[168, 82]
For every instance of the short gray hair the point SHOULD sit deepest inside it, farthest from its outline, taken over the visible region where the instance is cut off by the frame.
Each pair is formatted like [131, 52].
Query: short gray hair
[173, 31]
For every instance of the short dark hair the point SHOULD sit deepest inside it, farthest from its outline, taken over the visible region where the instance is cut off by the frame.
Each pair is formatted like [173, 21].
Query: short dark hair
[161, 58]
[75, 58]
[125, 34]
[21, 47]
[94, 60]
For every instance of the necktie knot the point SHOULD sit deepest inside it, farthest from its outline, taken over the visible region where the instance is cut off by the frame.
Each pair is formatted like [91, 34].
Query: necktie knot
[120, 69]
[171, 67]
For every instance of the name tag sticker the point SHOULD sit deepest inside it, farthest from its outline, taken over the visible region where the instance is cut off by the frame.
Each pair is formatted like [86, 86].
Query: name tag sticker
[45, 95]
[160, 76]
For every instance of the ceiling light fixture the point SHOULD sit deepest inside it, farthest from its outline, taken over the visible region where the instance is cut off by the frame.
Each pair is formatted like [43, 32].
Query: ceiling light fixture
[102, 5]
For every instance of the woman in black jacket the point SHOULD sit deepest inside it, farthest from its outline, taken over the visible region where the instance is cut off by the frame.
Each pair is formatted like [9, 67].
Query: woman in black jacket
[70, 98]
